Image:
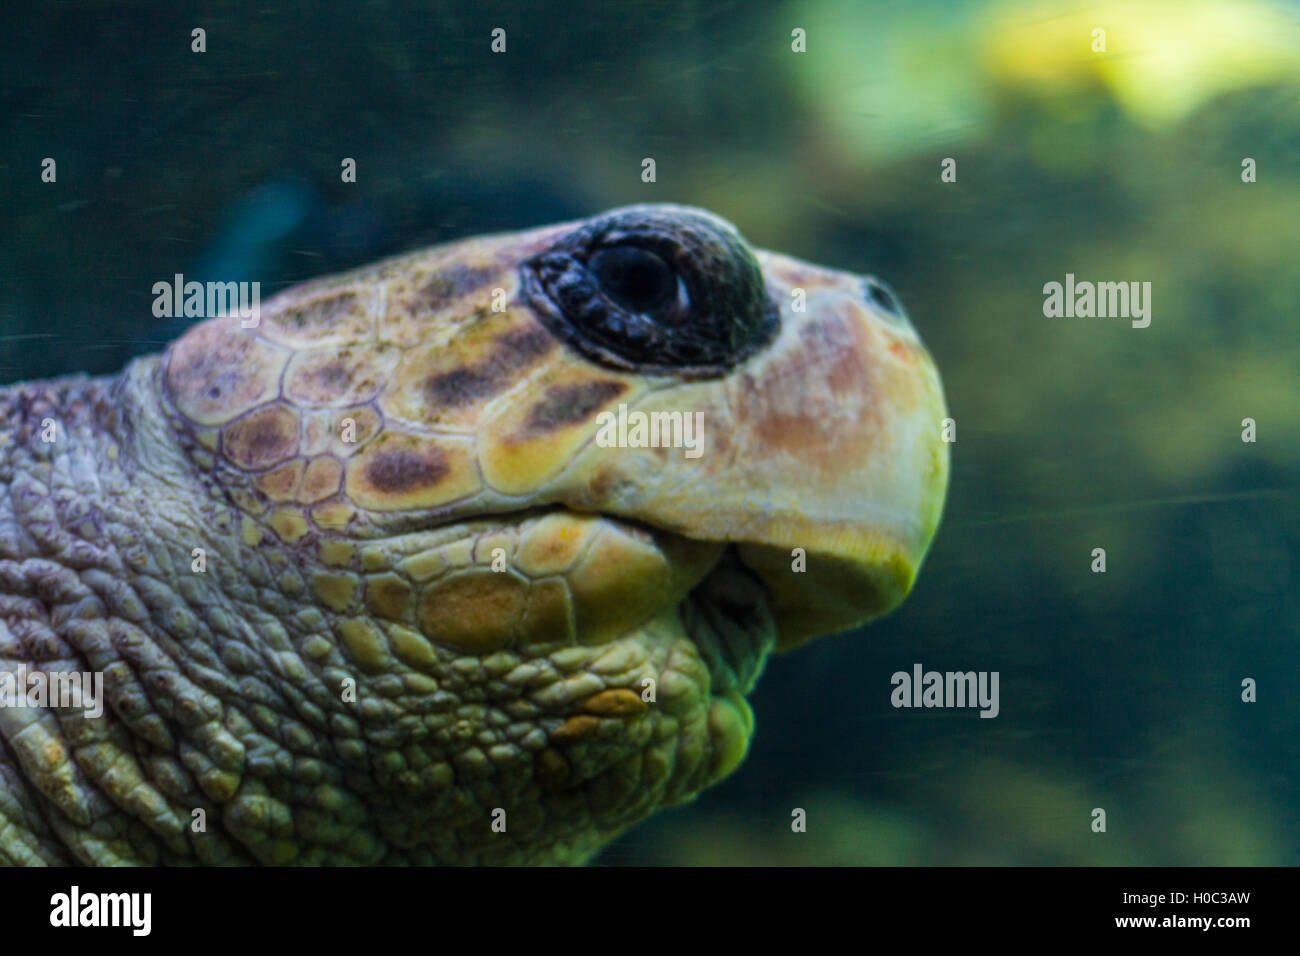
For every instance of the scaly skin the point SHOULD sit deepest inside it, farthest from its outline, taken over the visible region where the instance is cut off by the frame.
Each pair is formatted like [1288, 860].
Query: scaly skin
[431, 620]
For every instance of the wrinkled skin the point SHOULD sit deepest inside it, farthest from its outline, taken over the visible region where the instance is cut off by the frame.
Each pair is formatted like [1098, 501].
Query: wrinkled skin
[431, 618]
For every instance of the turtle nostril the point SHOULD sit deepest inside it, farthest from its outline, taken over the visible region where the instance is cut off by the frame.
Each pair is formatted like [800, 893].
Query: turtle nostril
[881, 296]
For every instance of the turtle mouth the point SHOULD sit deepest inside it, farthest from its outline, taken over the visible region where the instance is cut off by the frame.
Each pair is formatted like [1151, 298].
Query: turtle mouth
[625, 573]
[727, 617]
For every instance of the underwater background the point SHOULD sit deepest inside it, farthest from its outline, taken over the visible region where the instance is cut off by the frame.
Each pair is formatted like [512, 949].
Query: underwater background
[1119, 690]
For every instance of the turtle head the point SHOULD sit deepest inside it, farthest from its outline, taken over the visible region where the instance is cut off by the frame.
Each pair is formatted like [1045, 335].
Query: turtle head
[645, 365]
[632, 448]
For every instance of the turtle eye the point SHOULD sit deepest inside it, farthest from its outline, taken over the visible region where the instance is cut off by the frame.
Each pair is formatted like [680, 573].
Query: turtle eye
[635, 278]
[655, 288]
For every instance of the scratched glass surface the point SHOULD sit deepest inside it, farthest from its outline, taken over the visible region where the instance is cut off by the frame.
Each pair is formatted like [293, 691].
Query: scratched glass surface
[1120, 690]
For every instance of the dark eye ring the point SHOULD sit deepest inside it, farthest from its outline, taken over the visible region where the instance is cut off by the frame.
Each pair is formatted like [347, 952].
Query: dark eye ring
[654, 288]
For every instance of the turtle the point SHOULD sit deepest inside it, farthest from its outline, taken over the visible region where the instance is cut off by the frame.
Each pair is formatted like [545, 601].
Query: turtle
[469, 556]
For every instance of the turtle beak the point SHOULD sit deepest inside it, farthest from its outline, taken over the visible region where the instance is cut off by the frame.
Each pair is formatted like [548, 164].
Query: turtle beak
[825, 464]
[848, 411]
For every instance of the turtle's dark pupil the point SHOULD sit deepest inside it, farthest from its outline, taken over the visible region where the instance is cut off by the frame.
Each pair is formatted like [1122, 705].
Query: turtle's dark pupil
[635, 278]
